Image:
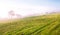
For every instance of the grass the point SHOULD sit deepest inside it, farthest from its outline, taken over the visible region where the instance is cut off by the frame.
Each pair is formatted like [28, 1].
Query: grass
[37, 25]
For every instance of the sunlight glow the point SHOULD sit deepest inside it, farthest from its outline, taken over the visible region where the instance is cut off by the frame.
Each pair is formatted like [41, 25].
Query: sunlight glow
[22, 9]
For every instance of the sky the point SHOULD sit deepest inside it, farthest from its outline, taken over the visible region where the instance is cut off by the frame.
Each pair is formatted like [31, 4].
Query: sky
[28, 7]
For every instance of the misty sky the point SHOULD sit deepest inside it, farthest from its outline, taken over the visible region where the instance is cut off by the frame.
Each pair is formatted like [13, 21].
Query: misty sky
[27, 7]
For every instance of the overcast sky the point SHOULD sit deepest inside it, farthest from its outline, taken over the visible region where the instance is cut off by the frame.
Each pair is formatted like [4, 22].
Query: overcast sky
[27, 7]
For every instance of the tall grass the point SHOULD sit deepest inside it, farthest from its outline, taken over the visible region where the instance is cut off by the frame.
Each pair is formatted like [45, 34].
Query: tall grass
[39, 25]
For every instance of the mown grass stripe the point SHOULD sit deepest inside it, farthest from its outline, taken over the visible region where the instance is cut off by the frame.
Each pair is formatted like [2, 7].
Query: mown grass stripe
[27, 29]
[57, 26]
[46, 29]
[41, 28]
[17, 30]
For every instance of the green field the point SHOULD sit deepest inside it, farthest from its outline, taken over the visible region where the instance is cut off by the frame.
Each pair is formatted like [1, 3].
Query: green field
[37, 25]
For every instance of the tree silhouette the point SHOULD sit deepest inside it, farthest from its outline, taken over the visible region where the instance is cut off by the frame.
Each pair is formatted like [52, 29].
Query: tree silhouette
[11, 14]
[18, 15]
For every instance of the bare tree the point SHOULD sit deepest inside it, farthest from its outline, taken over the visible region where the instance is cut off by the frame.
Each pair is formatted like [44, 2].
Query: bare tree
[11, 14]
[18, 15]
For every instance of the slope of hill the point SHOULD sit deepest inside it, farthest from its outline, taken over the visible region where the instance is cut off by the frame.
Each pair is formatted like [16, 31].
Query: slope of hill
[37, 25]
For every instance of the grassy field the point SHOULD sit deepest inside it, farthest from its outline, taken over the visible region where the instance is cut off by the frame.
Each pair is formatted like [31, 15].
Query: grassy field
[37, 25]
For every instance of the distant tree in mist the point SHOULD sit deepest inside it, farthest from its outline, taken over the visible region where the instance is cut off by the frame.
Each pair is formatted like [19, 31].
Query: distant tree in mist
[12, 14]
[18, 15]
